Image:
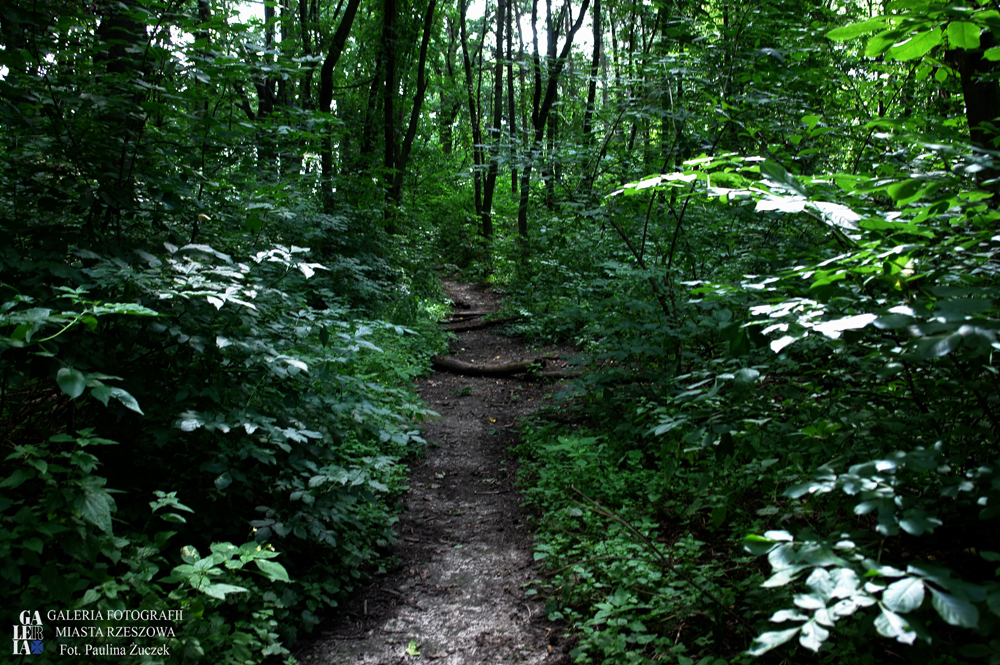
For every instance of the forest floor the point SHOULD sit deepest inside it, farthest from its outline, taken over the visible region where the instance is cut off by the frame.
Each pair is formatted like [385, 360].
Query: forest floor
[457, 595]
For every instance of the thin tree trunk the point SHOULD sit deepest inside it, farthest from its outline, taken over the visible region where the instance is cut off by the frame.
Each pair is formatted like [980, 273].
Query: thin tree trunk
[491, 175]
[539, 118]
[511, 110]
[477, 138]
[388, 109]
[326, 93]
[418, 100]
[588, 114]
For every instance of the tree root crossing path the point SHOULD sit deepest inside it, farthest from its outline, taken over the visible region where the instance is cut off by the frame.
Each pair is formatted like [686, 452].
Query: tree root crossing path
[464, 550]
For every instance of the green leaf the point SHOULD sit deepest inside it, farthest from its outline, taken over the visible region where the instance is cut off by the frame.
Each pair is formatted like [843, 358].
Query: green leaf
[906, 192]
[101, 393]
[223, 481]
[777, 174]
[916, 46]
[938, 346]
[274, 570]
[992, 54]
[955, 610]
[813, 635]
[220, 590]
[125, 398]
[753, 543]
[878, 44]
[856, 29]
[890, 624]
[764, 643]
[904, 595]
[962, 34]
[71, 381]
[96, 509]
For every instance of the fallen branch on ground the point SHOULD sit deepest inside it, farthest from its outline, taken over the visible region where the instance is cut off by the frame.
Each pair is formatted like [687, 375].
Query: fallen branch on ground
[455, 366]
[463, 326]
[468, 315]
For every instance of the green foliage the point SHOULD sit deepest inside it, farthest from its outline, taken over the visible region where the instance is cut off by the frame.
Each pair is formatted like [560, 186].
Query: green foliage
[172, 281]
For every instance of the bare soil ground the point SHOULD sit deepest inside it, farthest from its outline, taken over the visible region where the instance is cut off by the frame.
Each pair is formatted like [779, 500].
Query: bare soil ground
[464, 549]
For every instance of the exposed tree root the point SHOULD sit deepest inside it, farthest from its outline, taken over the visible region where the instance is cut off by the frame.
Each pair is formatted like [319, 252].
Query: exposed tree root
[455, 366]
[464, 326]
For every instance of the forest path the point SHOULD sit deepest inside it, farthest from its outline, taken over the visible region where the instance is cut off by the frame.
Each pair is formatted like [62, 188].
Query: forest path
[464, 547]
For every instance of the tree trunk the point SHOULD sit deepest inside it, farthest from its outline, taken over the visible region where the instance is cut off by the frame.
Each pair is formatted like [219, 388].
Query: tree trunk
[326, 94]
[981, 94]
[388, 109]
[588, 114]
[477, 138]
[399, 168]
[542, 113]
[511, 109]
[491, 175]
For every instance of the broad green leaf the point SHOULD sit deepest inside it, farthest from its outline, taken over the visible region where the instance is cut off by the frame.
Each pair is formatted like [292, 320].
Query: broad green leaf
[71, 381]
[904, 595]
[788, 615]
[273, 569]
[992, 54]
[746, 377]
[917, 523]
[962, 34]
[993, 601]
[753, 543]
[920, 6]
[833, 329]
[764, 643]
[783, 577]
[845, 583]
[223, 481]
[809, 602]
[916, 46]
[856, 29]
[821, 583]
[125, 398]
[813, 635]
[101, 393]
[95, 507]
[220, 590]
[905, 192]
[955, 610]
[890, 624]
[777, 174]
[938, 346]
[881, 42]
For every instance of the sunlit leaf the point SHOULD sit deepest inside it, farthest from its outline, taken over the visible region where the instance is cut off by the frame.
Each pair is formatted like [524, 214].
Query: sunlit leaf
[963, 34]
[904, 595]
[764, 643]
[856, 29]
[916, 46]
[955, 610]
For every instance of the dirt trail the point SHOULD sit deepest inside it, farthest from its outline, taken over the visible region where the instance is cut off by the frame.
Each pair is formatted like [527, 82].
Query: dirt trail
[464, 546]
